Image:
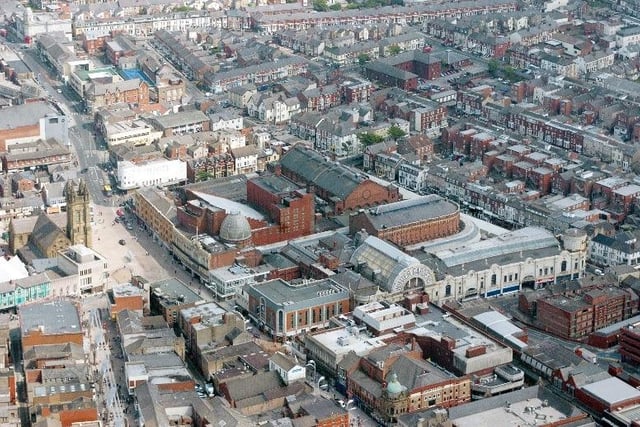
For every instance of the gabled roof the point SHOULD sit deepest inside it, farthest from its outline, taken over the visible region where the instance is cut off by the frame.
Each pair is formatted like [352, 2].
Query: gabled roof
[332, 177]
[45, 232]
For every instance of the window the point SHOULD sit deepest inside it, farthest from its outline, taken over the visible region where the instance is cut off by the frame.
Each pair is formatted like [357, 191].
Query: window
[494, 279]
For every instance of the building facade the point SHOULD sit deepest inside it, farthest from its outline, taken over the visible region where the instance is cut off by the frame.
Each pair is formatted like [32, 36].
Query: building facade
[409, 221]
[285, 309]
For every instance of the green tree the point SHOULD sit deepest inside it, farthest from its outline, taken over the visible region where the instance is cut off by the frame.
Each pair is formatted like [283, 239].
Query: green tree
[395, 49]
[363, 58]
[395, 132]
[510, 73]
[203, 175]
[369, 138]
[335, 6]
[320, 5]
[493, 67]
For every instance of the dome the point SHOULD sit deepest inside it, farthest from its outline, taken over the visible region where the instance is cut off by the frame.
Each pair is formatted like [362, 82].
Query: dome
[235, 228]
[394, 387]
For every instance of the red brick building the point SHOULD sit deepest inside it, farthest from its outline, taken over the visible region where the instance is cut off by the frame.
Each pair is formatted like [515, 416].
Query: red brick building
[404, 70]
[94, 44]
[289, 212]
[409, 222]
[52, 322]
[285, 310]
[134, 91]
[356, 91]
[291, 209]
[396, 380]
[126, 297]
[629, 340]
[344, 189]
[575, 315]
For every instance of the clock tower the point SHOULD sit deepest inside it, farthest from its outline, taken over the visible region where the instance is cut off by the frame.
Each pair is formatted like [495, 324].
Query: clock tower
[78, 214]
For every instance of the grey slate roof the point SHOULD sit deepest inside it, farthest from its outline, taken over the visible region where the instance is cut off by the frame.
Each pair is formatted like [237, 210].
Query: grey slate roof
[334, 178]
[409, 211]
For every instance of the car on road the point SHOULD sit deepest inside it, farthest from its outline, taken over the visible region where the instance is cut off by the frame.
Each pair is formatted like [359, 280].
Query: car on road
[129, 227]
[122, 242]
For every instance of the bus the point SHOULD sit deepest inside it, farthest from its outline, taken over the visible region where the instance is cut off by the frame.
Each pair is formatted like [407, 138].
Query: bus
[106, 182]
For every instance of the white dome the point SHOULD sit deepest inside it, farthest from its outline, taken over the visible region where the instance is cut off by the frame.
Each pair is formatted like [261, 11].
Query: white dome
[235, 228]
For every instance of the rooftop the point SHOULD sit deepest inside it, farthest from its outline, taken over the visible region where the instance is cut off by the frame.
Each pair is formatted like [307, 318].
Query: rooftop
[126, 290]
[341, 341]
[527, 238]
[282, 293]
[175, 291]
[612, 391]
[530, 406]
[410, 211]
[54, 317]
[24, 114]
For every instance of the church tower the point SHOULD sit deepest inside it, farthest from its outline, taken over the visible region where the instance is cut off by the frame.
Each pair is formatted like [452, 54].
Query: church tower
[78, 214]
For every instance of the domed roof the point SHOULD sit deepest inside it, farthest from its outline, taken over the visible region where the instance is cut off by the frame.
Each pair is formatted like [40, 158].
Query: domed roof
[235, 228]
[394, 386]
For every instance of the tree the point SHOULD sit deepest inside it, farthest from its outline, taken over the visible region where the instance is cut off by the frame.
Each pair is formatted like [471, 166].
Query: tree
[320, 5]
[395, 132]
[510, 73]
[203, 175]
[335, 6]
[369, 138]
[492, 67]
[395, 49]
[363, 58]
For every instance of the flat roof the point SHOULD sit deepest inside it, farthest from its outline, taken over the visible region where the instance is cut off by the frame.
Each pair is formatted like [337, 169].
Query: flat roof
[280, 292]
[174, 289]
[525, 239]
[53, 317]
[612, 391]
[341, 341]
[24, 114]
[530, 412]
[126, 290]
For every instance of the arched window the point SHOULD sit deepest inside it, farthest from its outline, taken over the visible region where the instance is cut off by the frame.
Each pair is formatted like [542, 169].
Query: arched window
[447, 291]
[563, 266]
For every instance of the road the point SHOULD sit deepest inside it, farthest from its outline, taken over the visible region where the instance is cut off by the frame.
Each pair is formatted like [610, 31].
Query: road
[81, 135]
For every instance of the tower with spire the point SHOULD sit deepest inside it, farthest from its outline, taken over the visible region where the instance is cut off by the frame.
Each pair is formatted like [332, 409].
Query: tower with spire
[78, 213]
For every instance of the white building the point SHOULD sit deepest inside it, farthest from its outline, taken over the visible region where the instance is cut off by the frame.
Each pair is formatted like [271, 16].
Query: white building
[381, 318]
[90, 267]
[628, 36]
[412, 177]
[223, 120]
[529, 257]
[161, 172]
[328, 348]
[287, 368]
[136, 133]
[622, 249]
[227, 281]
[32, 24]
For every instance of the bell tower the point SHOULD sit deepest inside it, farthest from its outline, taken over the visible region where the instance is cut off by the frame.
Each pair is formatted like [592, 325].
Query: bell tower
[78, 214]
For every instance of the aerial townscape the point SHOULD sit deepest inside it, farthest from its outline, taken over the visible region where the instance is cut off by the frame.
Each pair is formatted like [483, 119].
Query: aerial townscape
[331, 213]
